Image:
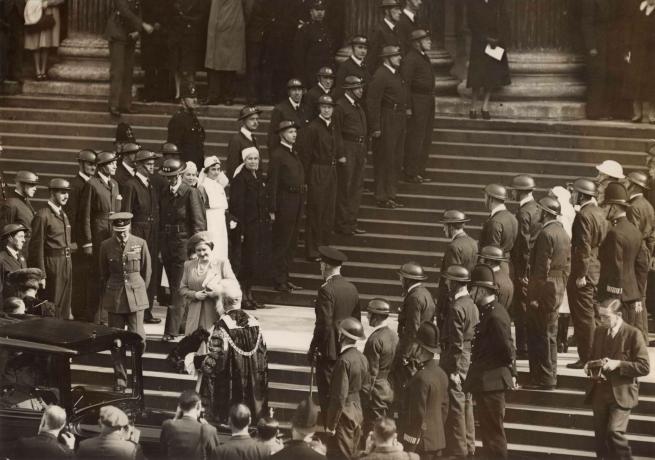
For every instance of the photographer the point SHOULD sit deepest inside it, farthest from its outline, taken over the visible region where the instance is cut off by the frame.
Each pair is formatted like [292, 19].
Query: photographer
[46, 444]
[117, 440]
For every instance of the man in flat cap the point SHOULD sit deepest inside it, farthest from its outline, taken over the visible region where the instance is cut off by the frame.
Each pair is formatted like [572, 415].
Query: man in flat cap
[243, 139]
[184, 128]
[356, 64]
[314, 45]
[294, 109]
[116, 438]
[50, 248]
[324, 86]
[17, 208]
[303, 427]
[12, 238]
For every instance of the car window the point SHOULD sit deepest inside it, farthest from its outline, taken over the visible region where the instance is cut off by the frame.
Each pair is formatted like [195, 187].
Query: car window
[27, 380]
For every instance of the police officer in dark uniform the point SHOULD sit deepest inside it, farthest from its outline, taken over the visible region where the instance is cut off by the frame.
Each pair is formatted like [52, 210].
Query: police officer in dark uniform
[417, 72]
[337, 299]
[294, 108]
[550, 265]
[417, 308]
[244, 138]
[50, 248]
[344, 417]
[387, 110]
[314, 45]
[286, 191]
[142, 200]
[350, 120]
[494, 257]
[17, 207]
[181, 215]
[123, 28]
[125, 273]
[12, 238]
[386, 34]
[356, 65]
[588, 232]
[501, 228]
[379, 350]
[185, 130]
[323, 86]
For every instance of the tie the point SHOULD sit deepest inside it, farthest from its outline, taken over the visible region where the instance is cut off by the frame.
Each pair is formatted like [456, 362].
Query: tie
[122, 245]
[172, 189]
[254, 140]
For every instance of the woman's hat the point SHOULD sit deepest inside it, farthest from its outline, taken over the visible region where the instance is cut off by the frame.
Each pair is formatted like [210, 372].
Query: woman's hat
[248, 111]
[211, 161]
[200, 237]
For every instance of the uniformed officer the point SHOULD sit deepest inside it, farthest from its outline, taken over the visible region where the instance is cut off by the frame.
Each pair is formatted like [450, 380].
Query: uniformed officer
[462, 250]
[314, 45]
[294, 109]
[608, 171]
[379, 350]
[126, 148]
[182, 215]
[142, 200]
[337, 299]
[320, 151]
[550, 265]
[243, 139]
[501, 228]
[386, 33]
[355, 65]
[494, 257]
[12, 238]
[344, 413]
[125, 273]
[286, 191]
[426, 398]
[17, 208]
[100, 199]
[492, 371]
[50, 248]
[81, 262]
[123, 28]
[528, 217]
[184, 128]
[350, 120]
[409, 22]
[387, 110]
[323, 86]
[418, 75]
[418, 305]
[457, 333]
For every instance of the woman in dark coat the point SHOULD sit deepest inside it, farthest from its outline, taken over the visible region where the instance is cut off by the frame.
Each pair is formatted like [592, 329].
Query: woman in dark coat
[639, 82]
[249, 208]
[487, 20]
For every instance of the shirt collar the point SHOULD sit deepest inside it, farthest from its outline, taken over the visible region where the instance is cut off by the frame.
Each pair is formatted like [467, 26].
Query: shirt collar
[129, 169]
[294, 104]
[327, 122]
[613, 331]
[379, 326]
[554, 221]
[410, 14]
[632, 197]
[13, 253]
[359, 62]
[325, 90]
[497, 209]
[287, 145]
[390, 68]
[390, 24]
[246, 132]
[346, 347]
[84, 177]
[350, 99]
[176, 187]
[591, 201]
[413, 286]
[331, 276]
[105, 179]
[495, 268]
[526, 199]
[458, 232]
[462, 293]
[144, 179]
[56, 209]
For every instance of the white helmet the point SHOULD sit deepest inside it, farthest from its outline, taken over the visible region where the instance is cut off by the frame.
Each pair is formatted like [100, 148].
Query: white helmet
[611, 168]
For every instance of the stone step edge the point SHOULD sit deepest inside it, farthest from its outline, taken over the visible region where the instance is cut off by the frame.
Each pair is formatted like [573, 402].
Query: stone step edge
[558, 410]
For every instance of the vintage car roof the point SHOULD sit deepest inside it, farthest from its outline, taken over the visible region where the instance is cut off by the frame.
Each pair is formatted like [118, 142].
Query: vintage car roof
[69, 336]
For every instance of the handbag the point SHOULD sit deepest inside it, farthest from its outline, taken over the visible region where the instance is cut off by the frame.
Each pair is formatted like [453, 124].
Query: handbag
[46, 22]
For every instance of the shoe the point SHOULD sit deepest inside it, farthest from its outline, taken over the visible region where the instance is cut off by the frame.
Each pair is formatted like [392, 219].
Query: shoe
[294, 287]
[118, 388]
[384, 204]
[359, 231]
[534, 386]
[114, 112]
[396, 204]
[423, 179]
[576, 365]
[412, 179]
[636, 119]
[282, 287]
[168, 338]
[651, 121]
[473, 115]
[152, 320]
[486, 115]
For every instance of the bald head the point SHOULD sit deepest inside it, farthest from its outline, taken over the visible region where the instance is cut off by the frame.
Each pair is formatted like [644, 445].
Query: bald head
[54, 418]
[239, 417]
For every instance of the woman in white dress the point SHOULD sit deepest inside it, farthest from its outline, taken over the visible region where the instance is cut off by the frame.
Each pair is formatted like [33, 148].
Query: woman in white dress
[40, 42]
[212, 183]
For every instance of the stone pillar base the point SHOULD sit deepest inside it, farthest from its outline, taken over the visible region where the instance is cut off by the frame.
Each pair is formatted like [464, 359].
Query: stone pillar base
[442, 62]
[521, 110]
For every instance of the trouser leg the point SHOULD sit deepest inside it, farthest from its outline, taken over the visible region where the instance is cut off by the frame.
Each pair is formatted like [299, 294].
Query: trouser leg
[582, 302]
[344, 444]
[119, 321]
[491, 412]
[344, 180]
[58, 284]
[81, 265]
[116, 70]
[456, 432]
[175, 313]
[417, 131]
[324, 369]
[356, 185]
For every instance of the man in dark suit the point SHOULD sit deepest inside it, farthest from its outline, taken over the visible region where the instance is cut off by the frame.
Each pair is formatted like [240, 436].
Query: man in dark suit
[426, 398]
[619, 356]
[409, 22]
[314, 45]
[14, 15]
[188, 434]
[501, 228]
[356, 65]
[184, 128]
[324, 86]
[386, 34]
[45, 444]
[126, 151]
[11, 256]
[249, 120]
[260, 20]
[337, 299]
[303, 427]
[240, 445]
[116, 439]
[494, 257]
[17, 207]
[492, 371]
[294, 108]
[157, 79]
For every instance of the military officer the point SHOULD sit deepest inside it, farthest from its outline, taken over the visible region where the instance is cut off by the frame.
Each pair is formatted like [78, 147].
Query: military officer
[142, 200]
[550, 265]
[286, 191]
[494, 257]
[417, 73]
[122, 32]
[387, 110]
[386, 33]
[355, 65]
[501, 228]
[608, 171]
[184, 128]
[182, 215]
[314, 45]
[344, 412]
[294, 109]
[350, 121]
[458, 331]
[50, 248]
[125, 273]
[17, 208]
[528, 218]
[323, 86]
[243, 139]
[337, 299]
[379, 350]
[11, 256]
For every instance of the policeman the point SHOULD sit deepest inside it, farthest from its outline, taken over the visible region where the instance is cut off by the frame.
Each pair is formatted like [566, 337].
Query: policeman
[142, 200]
[457, 333]
[528, 218]
[379, 350]
[182, 215]
[184, 128]
[286, 191]
[355, 65]
[386, 33]
[50, 248]
[493, 256]
[318, 152]
[344, 413]
[492, 371]
[550, 265]
[501, 228]
[100, 199]
[418, 305]
[462, 250]
[608, 171]
[337, 299]
[387, 110]
[350, 120]
[243, 139]
[426, 398]
[417, 73]
[294, 108]
[324, 86]
[314, 45]
[125, 273]
[12, 238]
[17, 208]
[122, 32]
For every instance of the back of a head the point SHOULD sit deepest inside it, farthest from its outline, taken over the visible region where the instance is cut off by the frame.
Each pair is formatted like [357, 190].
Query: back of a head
[384, 429]
[267, 428]
[54, 417]
[188, 400]
[239, 416]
